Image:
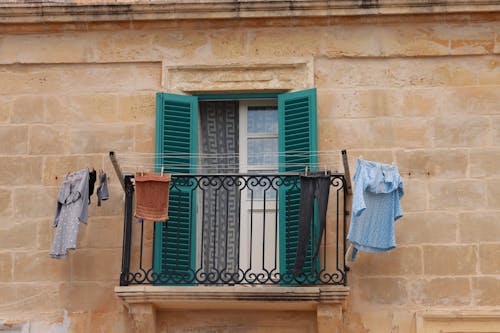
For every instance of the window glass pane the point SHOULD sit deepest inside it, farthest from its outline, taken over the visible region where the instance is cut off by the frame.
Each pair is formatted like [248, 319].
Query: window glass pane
[262, 152]
[262, 119]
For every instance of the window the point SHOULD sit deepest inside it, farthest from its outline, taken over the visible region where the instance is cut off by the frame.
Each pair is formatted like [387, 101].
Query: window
[265, 128]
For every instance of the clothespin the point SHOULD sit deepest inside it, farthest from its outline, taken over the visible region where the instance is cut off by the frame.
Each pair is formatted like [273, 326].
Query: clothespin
[142, 170]
[325, 170]
[162, 170]
[306, 169]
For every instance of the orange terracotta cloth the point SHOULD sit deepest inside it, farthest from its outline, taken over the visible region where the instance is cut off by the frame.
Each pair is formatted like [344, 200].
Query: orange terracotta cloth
[151, 196]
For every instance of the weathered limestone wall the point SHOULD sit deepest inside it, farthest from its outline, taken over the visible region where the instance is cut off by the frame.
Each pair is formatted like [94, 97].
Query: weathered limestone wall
[424, 93]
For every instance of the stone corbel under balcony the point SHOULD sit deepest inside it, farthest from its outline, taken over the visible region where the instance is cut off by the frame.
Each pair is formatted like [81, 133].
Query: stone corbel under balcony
[144, 302]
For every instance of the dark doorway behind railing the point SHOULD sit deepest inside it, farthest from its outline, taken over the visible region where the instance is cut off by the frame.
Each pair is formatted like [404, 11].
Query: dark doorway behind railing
[234, 229]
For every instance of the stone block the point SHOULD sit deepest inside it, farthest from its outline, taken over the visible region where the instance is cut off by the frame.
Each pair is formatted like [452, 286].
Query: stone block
[45, 234]
[237, 321]
[125, 45]
[385, 290]
[178, 44]
[29, 298]
[13, 139]
[413, 132]
[48, 140]
[228, 43]
[88, 296]
[427, 227]
[6, 265]
[497, 44]
[440, 73]
[90, 108]
[85, 267]
[384, 40]
[490, 74]
[144, 138]
[39, 266]
[370, 103]
[20, 170]
[56, 167]
[137, 107]
[496, 128]
[58, 109]
[101, 139]
[79, 321]
[441, 291]
[5, 202]
[74, 79]
[93, 108]
[5, 109]
[352, 73]
[415, 196]
[395, 72]
[285, 42]
[420, 101]
[493, 193]
[486, 290]
[479, 227]
[476, 38]
[35, 201]
[359, 133]
[111, 321]
[462, 132]
[442, 163]
[27, 109]
[46, 48]
[465, 194]
[471, 101]
[103, 232]
[450, 260]
[18, 235]
[400, 261]
[489, 255]
[29, 81]
[329, 318]
[370, 321]
[484, 162]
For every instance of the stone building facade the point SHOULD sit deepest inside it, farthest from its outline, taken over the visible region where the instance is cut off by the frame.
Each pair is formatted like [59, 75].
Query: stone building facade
[415, 83]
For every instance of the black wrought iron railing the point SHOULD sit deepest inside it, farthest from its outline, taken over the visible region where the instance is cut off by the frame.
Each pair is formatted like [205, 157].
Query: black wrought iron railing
[235, 229]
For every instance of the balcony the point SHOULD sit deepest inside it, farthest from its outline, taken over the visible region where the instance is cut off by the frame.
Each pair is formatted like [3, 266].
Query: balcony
[227, 234]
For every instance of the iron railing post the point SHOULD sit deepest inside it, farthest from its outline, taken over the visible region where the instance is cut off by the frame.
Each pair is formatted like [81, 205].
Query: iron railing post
[127, 231]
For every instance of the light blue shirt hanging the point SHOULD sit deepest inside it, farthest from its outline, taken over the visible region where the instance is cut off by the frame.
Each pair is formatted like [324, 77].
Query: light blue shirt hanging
[378, 188]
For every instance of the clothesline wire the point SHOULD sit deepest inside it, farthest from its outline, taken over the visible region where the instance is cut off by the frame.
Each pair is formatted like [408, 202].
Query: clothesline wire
[328, 161]
[288, 153]
[227, 166]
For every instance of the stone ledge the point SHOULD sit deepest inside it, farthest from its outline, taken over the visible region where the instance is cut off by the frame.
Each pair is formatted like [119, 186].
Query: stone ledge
[81, 11]
[466, 321]
[233, 297]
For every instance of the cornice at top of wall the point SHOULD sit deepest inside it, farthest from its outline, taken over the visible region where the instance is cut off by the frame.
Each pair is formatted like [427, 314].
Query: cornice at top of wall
[16, 11]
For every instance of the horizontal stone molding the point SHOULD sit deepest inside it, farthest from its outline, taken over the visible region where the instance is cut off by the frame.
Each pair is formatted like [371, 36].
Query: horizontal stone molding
[233, 297]
[466, 321]
[83, 11]
[240, 76]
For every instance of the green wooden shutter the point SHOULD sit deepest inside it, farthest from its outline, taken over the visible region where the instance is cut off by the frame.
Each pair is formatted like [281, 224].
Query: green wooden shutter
[176, 144]
[297, 133]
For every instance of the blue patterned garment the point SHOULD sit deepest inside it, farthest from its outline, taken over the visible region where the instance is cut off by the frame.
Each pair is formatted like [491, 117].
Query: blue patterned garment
[72, 208]
[375, 207]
